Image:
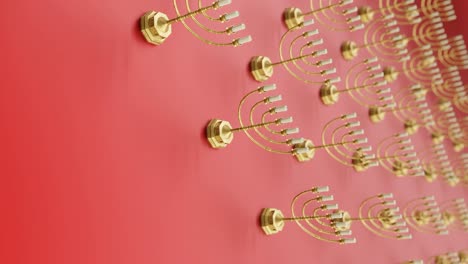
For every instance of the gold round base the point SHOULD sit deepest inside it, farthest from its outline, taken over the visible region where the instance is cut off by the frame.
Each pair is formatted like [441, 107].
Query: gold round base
[359, 164]
[430, 175]
[309, 155]
[437, 138]
[444, 105]
[218, 133]
[366, 13]
[261, 68]
[421, 218]
[154, 27]
[349, 50]
[376, 114]
[329, 94]
[411, 127]
[458, 146]
[272, 221]
[387, 219]
[399, 169]
[345, 220]
[293, 17]
[390, 74]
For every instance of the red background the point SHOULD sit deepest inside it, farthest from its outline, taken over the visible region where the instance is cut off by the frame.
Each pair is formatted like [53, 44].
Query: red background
[104, 158]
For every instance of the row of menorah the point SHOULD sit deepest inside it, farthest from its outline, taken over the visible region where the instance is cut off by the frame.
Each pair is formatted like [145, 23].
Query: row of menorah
[316, 214]
[453, 257]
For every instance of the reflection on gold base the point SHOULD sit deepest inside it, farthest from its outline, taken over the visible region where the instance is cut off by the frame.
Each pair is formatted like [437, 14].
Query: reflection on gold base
[261, 68]
[376, 114]
[329, 94]
[411, 127]
[359, 164]
[309, 155]
[218, 133]
[390, 74]
[349, 50]
[458, 146]
[430, 175]
[437, 138]
[293, 17]
[272, 221]
[154, 27]
[444, 105]
[399, 169]
[421, 218]
[420, 93]
[387, 218]
[345, 220]
[366, 13]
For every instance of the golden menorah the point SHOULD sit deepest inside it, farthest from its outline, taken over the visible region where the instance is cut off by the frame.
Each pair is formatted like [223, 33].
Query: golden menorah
[452, 88]
[312, 211]
[460, 99]
[454, 53]
[156, 26]
[443, 118]
[381, 39]
[433, 160]
[424, 215]
[395, 154]
[460, 167]
[364, 82]
[455, 214]
[304, 65]
[261, 129]
[421, 68]
[458, 134]
[335, 15]
[327, 223]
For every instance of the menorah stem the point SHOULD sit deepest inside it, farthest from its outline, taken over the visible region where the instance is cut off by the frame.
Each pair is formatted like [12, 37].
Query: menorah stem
[303, 218]
[321, 9]
[363, 218]
[294, 59]
[253, 126]
[332, 145]
[388, 157]
[195, 12]
[374, 43]
[355, 88]
[400, 108]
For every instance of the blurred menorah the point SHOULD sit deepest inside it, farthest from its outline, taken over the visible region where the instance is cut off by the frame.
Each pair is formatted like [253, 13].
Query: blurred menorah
[454, 53]
[399, 9]
[381, 39]
[335, 15]
[458, 134]
[410, 108]
[455, 214]
[421, 68]
[452, 88]
[423, 214]
[263, 132]
[395, 154]
[461, 99]
[460, 167]
[303, 64]
[455, 257]
[443, 119]
[313, 214]
[364, 83]
[433, 160]
[156, 26]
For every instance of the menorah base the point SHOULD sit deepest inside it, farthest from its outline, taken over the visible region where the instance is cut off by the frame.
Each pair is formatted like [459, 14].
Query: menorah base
[420, 93]
[293, 17]
[411, 127]
[329, 94]
[349, 50]
[430, 175]
[306, 156]
[437, 138]
[399, 169]
[376, 114]
[390, 74]
[272, 221]
[218, 133]
[444, 105]
[344, 220]
[387, 219]
[358, 161]
[448, 218]
[421, 218]
[453, 181]
[366, 13]
[261, 68]
[458, 146]
[154, 27]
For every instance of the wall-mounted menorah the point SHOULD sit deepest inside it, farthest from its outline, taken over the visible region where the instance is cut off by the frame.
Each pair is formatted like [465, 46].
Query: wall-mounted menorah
[365, 83]
[423, 214]
[303, 64]
[335, 15]
[261, 129]
[327, 222]
[455, 214]
[395, 154]
[156, 26]
[313, 213]
[381, 39]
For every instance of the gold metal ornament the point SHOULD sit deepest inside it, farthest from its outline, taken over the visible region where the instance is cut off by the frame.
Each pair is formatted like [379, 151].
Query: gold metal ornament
[455, 214]
[156, 26]
[312, 211]
[424, 215]
[270, 134]
[336, 15]
[295, 56]
[434, 162]
[396, 154]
